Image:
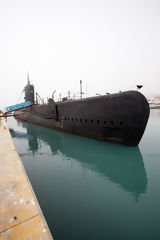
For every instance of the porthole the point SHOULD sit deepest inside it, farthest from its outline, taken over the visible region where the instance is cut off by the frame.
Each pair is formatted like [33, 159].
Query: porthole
[112, 122]
[120, 122]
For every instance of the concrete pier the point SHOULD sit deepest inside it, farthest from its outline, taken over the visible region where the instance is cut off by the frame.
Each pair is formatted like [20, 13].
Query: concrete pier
[20, 215]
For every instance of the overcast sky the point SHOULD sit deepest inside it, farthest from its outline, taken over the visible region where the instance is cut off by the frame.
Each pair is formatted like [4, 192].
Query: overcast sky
[111, 45]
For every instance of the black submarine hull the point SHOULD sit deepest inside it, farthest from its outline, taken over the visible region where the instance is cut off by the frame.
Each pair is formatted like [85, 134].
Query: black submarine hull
[120, 118]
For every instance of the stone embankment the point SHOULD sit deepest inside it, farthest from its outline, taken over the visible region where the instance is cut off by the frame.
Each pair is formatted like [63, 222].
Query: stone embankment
[20, 215]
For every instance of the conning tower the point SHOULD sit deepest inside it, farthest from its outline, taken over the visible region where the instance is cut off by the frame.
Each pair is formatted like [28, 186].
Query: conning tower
[29, 92]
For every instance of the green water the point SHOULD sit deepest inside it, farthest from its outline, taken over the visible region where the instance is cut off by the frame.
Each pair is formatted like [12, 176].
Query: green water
[89, 189]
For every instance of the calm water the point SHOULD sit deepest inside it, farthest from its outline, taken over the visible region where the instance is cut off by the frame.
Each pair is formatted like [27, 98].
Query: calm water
[89, 189]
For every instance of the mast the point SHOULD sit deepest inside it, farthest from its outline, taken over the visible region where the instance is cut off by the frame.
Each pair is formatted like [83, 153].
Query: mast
[28, 78]
[81, 89]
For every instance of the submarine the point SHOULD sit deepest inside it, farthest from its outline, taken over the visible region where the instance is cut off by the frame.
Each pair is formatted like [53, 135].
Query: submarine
[120, 117]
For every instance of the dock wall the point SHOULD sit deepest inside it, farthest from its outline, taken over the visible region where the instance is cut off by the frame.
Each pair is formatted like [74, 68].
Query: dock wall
[20, 215]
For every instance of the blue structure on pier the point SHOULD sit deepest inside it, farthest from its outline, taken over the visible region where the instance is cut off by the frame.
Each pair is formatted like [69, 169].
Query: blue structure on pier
[18, 106]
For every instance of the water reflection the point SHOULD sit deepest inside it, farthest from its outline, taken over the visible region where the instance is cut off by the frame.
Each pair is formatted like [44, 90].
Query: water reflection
[121, 164]
[32, 140]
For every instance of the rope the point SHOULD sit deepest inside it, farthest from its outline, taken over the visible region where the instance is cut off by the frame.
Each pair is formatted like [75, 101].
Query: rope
[20, 96]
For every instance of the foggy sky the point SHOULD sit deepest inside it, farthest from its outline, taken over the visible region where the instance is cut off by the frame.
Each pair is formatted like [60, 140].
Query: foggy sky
[109, 45]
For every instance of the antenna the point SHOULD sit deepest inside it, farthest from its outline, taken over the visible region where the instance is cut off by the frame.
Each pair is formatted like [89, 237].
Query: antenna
[68, 94]
[81, 89]
[28, 78]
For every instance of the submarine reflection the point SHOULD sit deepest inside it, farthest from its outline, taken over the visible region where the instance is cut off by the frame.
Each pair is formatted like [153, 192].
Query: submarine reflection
[121, 164]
